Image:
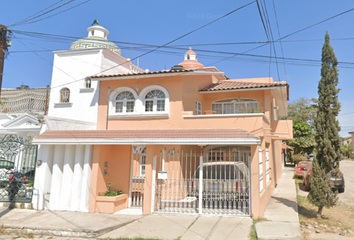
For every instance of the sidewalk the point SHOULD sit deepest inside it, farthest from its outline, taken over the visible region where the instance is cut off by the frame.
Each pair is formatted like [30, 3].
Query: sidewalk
[281, 214]
[111, 226]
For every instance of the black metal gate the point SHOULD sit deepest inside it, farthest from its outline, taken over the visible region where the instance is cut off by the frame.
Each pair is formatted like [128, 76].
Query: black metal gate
[17, 169]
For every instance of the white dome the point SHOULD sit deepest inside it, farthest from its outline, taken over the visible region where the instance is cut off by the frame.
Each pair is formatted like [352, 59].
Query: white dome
[97, 38]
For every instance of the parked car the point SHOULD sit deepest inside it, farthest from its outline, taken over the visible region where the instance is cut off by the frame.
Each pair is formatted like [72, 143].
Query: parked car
[300, 168]
[222, 180]
[336, 183]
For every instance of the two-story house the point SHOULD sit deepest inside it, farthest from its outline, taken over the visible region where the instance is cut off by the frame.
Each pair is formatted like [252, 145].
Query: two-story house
[185, 140]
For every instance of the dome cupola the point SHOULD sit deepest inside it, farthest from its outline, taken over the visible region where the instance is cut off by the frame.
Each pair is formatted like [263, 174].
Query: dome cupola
[190, 60]
[97, 38]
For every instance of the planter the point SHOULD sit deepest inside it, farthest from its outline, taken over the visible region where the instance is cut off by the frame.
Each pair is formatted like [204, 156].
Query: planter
[111, 204]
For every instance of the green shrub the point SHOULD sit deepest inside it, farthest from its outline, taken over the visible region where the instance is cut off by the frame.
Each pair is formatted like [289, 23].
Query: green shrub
[298, 158]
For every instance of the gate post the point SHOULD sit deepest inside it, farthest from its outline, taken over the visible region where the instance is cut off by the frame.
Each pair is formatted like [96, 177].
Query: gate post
[153, 185]
[200, 193]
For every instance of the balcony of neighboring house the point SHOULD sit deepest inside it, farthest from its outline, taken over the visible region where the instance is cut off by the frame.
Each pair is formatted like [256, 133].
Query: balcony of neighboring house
[246, 114]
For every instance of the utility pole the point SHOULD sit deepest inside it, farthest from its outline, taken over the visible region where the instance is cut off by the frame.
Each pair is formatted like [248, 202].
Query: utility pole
[5, 42]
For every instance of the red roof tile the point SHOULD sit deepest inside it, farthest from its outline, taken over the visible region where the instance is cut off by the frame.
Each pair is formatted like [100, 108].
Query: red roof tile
[233, 85]
[143, 73]
[147, 134]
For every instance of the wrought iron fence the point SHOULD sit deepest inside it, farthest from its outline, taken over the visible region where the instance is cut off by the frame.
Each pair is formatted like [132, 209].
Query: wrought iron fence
[17, 169]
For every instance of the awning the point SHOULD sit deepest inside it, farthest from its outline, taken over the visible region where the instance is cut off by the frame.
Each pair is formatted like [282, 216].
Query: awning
[284, 146]
[151, 137]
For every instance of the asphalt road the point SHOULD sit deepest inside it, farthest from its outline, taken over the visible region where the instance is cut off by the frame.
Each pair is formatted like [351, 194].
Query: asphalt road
[347, 168]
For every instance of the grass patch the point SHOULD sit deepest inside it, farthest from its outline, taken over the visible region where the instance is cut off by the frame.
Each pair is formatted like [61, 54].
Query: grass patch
[253, 233]
[336, 219]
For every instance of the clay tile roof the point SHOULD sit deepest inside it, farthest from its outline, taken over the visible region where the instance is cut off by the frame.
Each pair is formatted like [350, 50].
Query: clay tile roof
[143, 73]
[233, 85]
[148, 134]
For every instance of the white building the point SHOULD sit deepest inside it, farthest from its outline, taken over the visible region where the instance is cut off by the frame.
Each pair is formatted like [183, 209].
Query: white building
[63, 179]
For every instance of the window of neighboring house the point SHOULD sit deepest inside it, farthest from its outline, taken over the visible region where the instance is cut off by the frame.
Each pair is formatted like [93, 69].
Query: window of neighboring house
[198, 108]
[142, 162]
[239, 105]
[64, 95]
[125, 102]
[155, 101]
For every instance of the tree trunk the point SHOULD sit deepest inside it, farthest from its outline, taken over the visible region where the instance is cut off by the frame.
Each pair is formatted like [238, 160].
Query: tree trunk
[319, 212]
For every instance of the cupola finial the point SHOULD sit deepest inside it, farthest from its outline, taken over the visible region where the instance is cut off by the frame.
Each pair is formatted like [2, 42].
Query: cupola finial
[95, 22]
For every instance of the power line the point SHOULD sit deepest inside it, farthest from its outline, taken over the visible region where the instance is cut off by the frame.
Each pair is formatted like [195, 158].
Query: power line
[32, 18]
[184, 35]
[27, 18]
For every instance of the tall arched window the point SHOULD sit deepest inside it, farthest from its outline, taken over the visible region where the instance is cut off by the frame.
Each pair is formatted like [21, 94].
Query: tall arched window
[64, 95]
[124, 102]
[239, 105]
[155, 101]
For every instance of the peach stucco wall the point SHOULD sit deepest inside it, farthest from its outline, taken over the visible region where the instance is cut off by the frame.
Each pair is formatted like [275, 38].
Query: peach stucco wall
[184, 91]
[118, 171]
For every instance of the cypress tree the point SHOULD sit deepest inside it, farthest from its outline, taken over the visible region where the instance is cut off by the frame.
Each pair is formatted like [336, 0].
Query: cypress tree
[326, 132]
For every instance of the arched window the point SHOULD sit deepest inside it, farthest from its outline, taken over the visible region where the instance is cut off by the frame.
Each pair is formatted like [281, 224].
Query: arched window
[64, 95]
[155, 101]
[239, 105]
[124, 102]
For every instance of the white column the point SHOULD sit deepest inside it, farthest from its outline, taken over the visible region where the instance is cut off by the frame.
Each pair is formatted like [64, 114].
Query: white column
[43, 177]
[86, 180]
[57, 175]
[78, 176]
[68, 175]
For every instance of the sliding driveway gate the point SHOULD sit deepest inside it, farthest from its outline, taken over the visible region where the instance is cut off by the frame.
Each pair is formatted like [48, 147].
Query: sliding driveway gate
[215, 182]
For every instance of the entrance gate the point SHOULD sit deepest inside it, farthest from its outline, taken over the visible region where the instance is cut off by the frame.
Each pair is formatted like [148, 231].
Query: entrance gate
[215, 182]
[17, 169]
[137, 176]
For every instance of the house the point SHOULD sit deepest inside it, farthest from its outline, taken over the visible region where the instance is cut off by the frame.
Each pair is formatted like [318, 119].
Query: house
[348, 140]
[22, 112]
[154, 135]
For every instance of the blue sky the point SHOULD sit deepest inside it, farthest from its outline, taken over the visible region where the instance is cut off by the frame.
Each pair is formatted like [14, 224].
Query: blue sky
[157, 22]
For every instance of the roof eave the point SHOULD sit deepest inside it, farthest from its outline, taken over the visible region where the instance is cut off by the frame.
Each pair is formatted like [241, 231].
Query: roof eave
[150, 141]
[244, 89]
[150, 75]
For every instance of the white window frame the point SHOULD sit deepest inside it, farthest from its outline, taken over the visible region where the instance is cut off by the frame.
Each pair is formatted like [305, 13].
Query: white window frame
[267, 166]
[198, 108]
[142, 162]
[139, 106]
[155, 101]
[112, 101]
[124, 102]
[260, 159]
[246, 102]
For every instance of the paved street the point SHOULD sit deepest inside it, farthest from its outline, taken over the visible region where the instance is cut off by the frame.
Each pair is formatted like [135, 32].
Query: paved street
[347, 168]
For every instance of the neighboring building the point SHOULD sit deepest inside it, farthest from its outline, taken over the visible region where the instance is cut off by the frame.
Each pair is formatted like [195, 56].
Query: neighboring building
[22, 113]
[73, 105]
[153, 130]
[348, 140]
